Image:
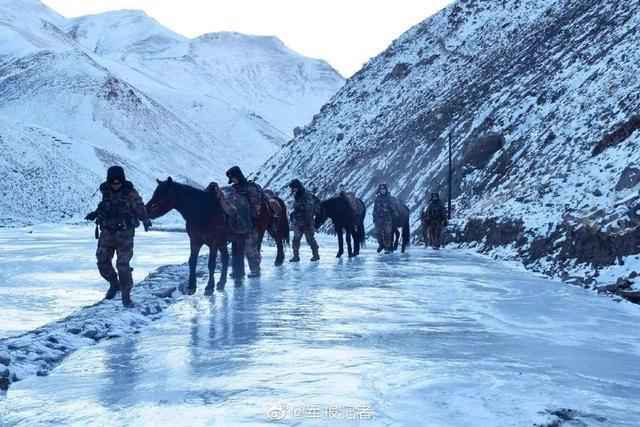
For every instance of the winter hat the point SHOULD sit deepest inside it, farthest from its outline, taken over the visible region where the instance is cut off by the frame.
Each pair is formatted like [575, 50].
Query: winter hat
[236, 173]
[296, 184]
[115, 173]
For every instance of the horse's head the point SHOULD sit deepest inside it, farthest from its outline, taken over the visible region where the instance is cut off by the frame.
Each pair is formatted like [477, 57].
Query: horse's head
[163, 199]
[321, 215]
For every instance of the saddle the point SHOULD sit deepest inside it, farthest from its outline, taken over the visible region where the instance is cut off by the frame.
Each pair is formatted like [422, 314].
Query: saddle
[235, 207]
[271, 203]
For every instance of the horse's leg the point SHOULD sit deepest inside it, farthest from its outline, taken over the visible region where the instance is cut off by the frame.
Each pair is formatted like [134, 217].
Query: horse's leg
[356, 241]
[213, 254]
[193, 263]
[396, 240]
[237, 258]
[224, 257]
[340, 241]
[349, 233]
[280, 247]
[260, 239]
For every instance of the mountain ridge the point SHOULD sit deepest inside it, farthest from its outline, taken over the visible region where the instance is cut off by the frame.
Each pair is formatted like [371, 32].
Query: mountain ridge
[550, 77]
[119, 96]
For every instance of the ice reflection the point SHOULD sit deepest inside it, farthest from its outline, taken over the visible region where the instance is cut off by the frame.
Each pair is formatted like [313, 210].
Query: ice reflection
[430, 338]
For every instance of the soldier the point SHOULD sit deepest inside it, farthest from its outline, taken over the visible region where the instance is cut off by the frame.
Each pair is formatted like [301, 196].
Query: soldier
[304, 208]
[383, 218]
[434, 219]
[254, 195]
[118, 215]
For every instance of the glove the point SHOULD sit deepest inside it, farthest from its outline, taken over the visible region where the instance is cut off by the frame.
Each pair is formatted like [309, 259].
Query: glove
[91, 216]
[147, 225]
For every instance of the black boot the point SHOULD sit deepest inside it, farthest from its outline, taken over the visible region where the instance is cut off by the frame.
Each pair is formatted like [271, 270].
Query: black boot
[125, 287]
[316, 255]
[114, 287]
[126, 298]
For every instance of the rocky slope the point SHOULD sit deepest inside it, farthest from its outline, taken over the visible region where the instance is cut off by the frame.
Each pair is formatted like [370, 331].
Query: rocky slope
[541, 101]
[78, 95]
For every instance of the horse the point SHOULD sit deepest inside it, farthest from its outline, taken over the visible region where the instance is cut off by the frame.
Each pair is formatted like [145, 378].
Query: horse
[400, 220]
[207, 223]
[344, 219]
[273, 218]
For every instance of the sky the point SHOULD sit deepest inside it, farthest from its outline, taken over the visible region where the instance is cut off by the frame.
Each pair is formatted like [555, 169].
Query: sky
[346, 33]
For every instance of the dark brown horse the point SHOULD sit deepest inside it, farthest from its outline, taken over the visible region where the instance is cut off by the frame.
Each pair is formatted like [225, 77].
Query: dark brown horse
[273, 219]
[207, 223]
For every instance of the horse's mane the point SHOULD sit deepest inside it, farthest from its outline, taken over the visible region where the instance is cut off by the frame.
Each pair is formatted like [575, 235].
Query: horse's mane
[199, 205]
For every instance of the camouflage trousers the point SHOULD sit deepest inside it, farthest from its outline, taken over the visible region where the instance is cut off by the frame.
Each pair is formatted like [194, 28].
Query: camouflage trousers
[251, 252]
[385, 235]
[433, 234]
[120, 243]
[309, 234]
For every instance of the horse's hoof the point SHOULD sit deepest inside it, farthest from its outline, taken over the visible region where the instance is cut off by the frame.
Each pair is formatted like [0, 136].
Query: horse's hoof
[208, 291]
[279, 263]
[339, 255]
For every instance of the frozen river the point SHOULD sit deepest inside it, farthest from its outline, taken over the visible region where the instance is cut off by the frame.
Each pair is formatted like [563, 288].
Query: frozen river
[49, 271]
[429, 339]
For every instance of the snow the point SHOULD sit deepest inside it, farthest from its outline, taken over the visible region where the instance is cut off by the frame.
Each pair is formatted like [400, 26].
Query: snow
[120, 88]
[551, 76]
[432, 338]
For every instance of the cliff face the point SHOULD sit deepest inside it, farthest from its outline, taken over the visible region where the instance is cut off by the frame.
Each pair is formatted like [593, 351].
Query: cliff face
[541, 101]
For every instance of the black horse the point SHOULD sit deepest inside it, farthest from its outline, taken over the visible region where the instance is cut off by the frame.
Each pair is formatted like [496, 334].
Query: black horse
[345, 219]
[207, 223]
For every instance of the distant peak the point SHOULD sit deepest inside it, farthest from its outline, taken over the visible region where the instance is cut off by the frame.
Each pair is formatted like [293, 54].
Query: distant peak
[121, 13]
[223, 36]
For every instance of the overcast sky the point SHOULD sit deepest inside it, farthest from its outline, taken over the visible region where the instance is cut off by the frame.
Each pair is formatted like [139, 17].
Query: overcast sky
[344, 32]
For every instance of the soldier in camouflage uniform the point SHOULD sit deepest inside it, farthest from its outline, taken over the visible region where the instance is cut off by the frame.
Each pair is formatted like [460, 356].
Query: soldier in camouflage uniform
[118, 215]
[383, 218]
[302, 218]
[434, 219]
[255, 197]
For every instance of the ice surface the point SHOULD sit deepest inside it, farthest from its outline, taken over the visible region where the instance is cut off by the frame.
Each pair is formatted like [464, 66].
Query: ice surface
[428, 339]
[49, 271]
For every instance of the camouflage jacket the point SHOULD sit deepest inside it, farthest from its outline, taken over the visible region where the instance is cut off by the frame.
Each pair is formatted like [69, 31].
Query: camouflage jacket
[304, 209]
[120, 210]
[254, 194]
[435, 213]
[383, 210]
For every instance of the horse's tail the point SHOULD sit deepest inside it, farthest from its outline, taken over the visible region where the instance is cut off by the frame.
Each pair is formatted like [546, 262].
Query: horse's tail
[406, 233]
[361, 233]
[284, 222]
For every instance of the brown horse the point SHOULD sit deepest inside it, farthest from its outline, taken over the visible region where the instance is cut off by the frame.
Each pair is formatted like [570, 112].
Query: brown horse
[273, 219]
[207, 223]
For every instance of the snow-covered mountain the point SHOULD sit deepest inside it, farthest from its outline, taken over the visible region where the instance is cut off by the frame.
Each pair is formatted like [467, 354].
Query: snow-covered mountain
[541, 99]
[119, 87]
